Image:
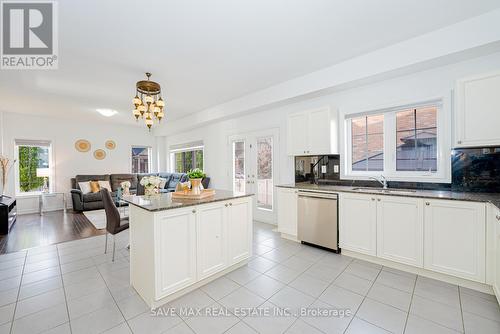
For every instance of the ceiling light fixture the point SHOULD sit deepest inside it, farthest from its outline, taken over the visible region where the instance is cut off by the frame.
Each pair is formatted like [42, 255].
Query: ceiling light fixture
[107, 112]
[148, 103]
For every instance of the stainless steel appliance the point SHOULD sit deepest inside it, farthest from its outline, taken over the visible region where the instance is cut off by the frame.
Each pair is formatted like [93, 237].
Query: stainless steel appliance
[318, 219]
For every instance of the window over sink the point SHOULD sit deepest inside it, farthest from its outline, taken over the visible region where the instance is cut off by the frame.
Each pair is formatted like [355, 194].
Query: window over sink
[403, 143]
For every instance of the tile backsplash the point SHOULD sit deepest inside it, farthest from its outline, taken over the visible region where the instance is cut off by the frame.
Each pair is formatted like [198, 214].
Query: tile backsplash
[476, 169]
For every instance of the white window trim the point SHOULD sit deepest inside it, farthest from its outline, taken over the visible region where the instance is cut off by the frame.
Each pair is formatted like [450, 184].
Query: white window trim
[52, 176]
[443, 173]
[185, 149]
[150, 157]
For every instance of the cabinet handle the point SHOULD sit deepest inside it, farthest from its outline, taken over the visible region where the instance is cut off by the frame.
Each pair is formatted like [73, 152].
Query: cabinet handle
[194, 211]
[226, 205]
[373, 198]
[427, 203]
[497, 217]
[230, 204]
[378, 199]
[460, 142]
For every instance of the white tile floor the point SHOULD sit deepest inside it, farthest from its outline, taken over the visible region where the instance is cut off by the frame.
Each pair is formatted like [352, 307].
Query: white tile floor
[74, 288]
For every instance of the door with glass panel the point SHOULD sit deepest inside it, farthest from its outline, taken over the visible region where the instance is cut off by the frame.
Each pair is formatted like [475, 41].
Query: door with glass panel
[253, 169]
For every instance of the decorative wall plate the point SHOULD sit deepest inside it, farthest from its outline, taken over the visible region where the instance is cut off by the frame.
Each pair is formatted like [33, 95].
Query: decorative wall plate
[110, 144]
[99, 154]
[82, 145]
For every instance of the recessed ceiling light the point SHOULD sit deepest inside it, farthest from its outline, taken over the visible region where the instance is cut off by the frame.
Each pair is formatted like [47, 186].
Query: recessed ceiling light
[107, 112]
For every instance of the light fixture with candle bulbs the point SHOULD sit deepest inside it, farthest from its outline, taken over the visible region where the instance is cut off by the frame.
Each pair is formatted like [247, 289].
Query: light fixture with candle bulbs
[148, 103]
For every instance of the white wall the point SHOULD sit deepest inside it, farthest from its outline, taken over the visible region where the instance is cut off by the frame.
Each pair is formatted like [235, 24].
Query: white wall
[437, 82]
[67, 160]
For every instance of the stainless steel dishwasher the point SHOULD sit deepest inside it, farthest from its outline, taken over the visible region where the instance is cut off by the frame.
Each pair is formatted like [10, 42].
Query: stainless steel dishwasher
[318, 219]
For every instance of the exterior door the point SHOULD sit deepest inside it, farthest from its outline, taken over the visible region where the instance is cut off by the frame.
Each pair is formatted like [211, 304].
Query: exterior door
[253, 170]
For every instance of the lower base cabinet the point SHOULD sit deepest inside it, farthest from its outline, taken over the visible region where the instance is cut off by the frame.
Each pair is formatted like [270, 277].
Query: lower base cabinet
[197, 242]
[358, 223]
[440, 235]
[287, 210]
[400, 230]
[496, 265]
[175, 243]
[454, 239]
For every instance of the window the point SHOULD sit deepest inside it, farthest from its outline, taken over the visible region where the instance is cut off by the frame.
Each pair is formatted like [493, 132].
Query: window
[367, 138]
[416, 139]
[32, 156]
[141, 159]
[400, 142]
[186, 158]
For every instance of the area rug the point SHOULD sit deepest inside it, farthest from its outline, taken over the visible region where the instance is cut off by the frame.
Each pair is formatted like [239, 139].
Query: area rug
[98, 217]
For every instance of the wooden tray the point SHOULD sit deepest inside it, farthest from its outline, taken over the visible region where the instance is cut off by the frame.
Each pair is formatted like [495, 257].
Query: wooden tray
[189, 195]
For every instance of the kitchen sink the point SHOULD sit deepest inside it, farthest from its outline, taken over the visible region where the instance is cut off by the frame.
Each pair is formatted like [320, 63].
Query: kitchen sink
[385, 191]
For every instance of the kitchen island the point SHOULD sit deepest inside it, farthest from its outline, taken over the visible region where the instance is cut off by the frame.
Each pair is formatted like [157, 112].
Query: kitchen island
[178, 245]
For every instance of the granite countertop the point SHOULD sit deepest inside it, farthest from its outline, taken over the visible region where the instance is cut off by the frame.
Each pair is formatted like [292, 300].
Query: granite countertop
[493, 198]
[165, 202]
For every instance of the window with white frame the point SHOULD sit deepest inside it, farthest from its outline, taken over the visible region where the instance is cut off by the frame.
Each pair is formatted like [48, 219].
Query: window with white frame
[185, 157]
[401, 141]
[34, 166]
[141, 159]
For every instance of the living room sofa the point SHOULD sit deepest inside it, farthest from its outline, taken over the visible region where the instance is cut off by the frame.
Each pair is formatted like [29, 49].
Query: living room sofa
[93, 201]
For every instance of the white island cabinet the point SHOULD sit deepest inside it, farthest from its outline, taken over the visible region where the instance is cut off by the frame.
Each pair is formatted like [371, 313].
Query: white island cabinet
[176, 247]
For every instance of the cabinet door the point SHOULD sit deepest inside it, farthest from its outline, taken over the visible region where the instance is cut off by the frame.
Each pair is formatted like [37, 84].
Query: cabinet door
[477, 115]
[358, 223]
[175, 244]
[239, 230]
[287, 211]
[319, 132]
[400, 229]
[211, 239]
[297, 134]
[454, 238]
[496, 283]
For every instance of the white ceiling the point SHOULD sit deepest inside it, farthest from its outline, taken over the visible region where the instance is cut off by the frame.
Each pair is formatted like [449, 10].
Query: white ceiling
[204, 53]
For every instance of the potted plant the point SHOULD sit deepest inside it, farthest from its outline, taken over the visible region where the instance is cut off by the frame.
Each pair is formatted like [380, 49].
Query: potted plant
[195, 176]
[151, 184]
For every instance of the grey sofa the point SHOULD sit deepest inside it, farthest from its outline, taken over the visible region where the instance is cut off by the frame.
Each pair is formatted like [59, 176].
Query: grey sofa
[93, 201]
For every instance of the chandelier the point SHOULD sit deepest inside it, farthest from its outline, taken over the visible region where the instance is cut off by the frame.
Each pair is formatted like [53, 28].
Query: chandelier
[148, 103]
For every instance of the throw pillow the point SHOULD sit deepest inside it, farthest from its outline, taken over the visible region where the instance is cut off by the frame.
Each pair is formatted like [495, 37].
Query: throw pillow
[84, 187]
[105, 185]
[163, 183]
[94, 186]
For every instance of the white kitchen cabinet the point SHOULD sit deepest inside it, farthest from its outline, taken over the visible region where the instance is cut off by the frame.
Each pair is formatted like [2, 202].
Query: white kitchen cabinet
[477, 115]
[175, 243]
[176, 248]
[287, 210]
[496, 256]
[358, 223]
[297, 134]
[312, 132]
[454, 238]
[239, 231]
[211, 222]
[400, 229]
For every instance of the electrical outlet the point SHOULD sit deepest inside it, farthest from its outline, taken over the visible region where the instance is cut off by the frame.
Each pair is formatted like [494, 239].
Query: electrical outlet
[335, 168]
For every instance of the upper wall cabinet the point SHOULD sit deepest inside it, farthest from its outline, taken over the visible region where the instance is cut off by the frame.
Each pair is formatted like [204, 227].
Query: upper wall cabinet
[312, 132]
[477, 112]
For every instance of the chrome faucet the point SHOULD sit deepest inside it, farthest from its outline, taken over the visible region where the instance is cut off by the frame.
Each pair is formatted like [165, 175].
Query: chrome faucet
[382, 180]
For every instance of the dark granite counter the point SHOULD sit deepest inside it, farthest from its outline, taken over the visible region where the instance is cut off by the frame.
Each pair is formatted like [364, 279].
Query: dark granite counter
[162, 202]
[493, 198]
